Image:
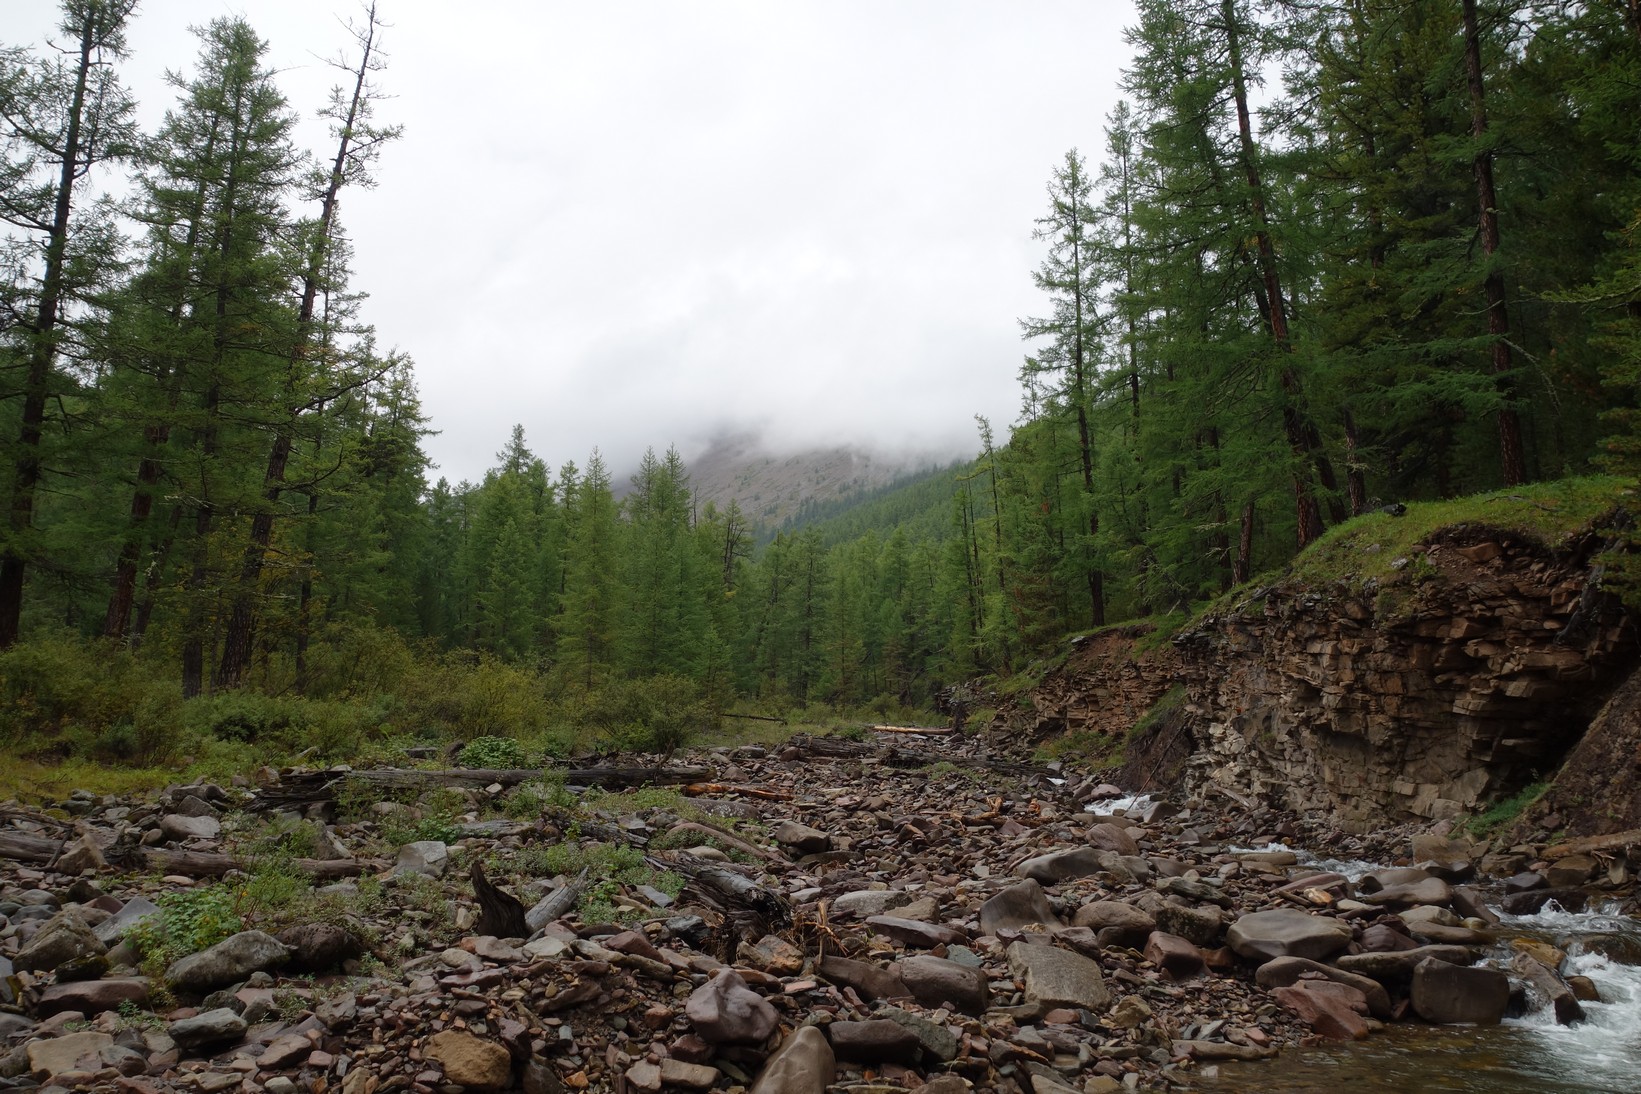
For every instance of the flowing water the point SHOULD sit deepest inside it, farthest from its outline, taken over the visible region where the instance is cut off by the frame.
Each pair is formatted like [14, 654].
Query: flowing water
[1600, 1055]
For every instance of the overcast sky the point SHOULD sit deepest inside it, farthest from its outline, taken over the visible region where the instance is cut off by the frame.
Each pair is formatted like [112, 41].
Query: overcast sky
[631, 224]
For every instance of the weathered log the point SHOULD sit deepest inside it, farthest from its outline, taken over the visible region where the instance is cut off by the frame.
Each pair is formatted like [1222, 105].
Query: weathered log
[762, 793]
[561, 900]
[309, 787]
[20, 848]
[500, 913]
[1611, 842]
[209, 864]
[933, 731]
[712, 831]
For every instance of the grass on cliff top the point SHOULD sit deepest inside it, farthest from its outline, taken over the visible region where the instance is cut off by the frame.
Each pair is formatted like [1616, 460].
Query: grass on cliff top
[1546, 512]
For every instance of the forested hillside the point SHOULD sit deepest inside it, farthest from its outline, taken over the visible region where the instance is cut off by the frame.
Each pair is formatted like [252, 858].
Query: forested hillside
[1325, 257]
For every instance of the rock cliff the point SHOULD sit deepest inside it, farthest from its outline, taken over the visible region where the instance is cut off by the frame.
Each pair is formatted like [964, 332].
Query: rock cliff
[1468, 671]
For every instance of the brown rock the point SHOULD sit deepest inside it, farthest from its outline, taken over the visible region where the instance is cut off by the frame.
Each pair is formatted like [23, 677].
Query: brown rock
[1324, 1011]
[1176, 957]
[725, 1011]
[804, 1064]
[470, 1061]
[869, 981]
[875, 1041]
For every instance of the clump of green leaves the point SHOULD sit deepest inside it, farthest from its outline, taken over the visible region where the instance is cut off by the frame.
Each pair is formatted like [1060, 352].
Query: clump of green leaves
[494, 752]
[189, 920]
[610, 865]
[529, 800]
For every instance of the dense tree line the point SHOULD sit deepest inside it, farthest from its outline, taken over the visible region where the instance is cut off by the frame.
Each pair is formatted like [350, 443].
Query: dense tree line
[1330, 254]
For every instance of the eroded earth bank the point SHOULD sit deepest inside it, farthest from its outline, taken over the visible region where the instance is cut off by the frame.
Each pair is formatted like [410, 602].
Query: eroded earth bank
[878, 915]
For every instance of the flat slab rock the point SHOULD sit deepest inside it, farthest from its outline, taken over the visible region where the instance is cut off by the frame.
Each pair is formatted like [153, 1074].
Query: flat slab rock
[1282, 932]
[1052, 977]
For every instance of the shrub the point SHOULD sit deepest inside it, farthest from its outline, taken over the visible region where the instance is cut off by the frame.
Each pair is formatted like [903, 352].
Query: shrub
[189, 920]
[493, 752]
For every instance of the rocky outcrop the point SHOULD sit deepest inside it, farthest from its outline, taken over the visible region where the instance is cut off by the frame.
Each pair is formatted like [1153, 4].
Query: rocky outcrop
[1469, 672]
[1599, 787]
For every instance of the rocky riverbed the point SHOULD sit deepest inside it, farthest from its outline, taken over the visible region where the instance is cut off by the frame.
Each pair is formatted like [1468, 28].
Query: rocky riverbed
[899, 917]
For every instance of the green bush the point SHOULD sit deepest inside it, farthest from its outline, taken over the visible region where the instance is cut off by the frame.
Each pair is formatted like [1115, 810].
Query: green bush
[189, 920]
[87, 698]
[494, 752]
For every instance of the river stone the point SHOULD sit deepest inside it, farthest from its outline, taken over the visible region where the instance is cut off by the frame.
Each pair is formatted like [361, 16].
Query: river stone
[1446, 994]
[1021, 905]
[1548, 983]
[873, 1041]
[939, 1042]
[470, 1061]
[1058, 866]
[1116, 923]
[1376, 880]
[91, 997]
[64, 939]
[913, 932]
[1112, 837]
[725, 1011]
[56, 1055]
[212, 1027]
[867, 902]
[1284, 932]
[801, 838]
[179, 828]
[320, 947]
[1283, 972]
[869, 981]
[1199, 926]
[1432, 890]
[1394, 970]
[80, 855]
[228, 962]
[1533, 901]
[112, 929]
[805, 1064]
[428, 857]
[1053, 977]
[934, 980]
[1325, 1012]
[1177, 958]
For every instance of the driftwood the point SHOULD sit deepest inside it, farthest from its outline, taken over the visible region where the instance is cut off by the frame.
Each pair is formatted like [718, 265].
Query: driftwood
[762, 793]
[1592, 844]
[21, 848]
[744, 908]
[305, 788]
[561, 900]
[500, 913]
[933, 731]
[712, 831]
[900, 756]
[210, 864]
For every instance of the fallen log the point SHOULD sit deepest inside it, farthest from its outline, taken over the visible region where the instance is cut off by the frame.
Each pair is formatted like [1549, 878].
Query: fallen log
[712, 831]
[21, 848]
[1611, 842]
[210, 864]
[304, 788]
[934, 731]
[699, 789]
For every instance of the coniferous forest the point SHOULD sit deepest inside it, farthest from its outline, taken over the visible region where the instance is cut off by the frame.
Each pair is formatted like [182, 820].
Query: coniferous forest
[1324, 257]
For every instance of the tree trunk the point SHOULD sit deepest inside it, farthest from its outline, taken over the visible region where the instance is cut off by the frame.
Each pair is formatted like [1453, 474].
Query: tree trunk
[1512, 464]
[42, 353]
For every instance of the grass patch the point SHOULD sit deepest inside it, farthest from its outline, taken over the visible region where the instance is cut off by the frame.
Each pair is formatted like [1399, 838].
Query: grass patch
[1505, 812]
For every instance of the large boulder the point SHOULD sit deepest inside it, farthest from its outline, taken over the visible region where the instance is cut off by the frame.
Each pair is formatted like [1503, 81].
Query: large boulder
[1058, 866]
[1284, 972]
[64, 940]
[212, 1027]
[228, 962]
[1284, 932]
[1446, 994]
[1330, 1009]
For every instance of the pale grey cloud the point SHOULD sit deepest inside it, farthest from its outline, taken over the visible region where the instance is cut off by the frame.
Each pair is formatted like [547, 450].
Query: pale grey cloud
[636, 223]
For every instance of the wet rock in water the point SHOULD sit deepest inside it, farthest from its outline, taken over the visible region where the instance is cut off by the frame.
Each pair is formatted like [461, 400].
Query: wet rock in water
[91, 997]
[1282, 932]
[320, 947]
[1444, 993]
[64, 939]
[1284, 972]
[427, 857]
[213, 1027]
[1533, 901]
[934, 980]
[875, 1041]
[1395, 970]
[1116, 923]
[470, 1061]
[1547, 982]
[1432, 890]
[1326, 1011]
[1176, 957]
[801, 838]
[869, 981]
[725, 1011]
[1052, 977]
[1022, 905]
[228, 962]
[804, 1064]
